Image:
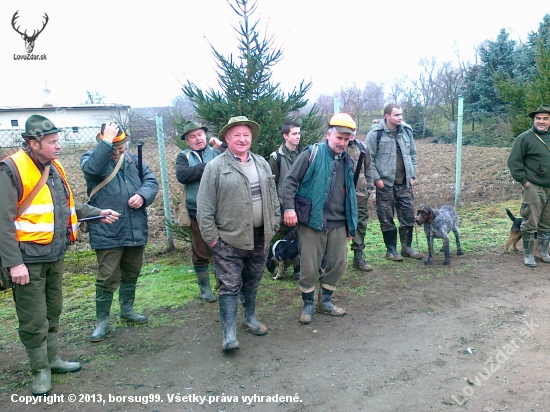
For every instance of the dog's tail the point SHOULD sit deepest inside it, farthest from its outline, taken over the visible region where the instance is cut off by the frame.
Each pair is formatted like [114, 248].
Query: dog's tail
[510, 215]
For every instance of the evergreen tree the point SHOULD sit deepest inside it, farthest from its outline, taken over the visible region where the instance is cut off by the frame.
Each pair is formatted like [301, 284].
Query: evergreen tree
[246, 89]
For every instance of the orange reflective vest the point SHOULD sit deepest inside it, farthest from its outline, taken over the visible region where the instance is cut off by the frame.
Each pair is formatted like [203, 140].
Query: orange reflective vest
[36, 223]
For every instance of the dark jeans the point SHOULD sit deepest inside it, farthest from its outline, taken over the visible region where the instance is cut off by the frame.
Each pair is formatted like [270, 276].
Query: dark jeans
[238, 269]
[397, 198]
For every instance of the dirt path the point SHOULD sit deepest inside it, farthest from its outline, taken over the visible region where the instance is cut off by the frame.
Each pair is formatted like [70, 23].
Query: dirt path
[402, 347]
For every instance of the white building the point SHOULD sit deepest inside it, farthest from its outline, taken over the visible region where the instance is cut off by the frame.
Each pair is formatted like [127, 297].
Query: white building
[78, 124]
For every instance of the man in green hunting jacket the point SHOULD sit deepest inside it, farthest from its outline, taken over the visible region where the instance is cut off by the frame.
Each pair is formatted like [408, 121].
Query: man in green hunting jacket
[529, 164]
[238, 214]
[319, 193]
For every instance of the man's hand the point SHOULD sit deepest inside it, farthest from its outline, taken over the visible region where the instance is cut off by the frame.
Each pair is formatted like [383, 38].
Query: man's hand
[412, 182]
[526, 185]
[135, 202]
[217, 143]
[112, 215]
[379, 184]
[290, 218]
[20, 274]
[211, 245]
[110, 132]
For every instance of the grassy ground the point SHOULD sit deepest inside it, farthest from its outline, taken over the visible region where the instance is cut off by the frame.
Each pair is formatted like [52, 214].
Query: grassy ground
[168, 280]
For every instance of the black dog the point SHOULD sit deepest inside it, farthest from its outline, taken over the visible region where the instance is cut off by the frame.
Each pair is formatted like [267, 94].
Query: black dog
[438, 224]
[515, 232]
[283, 253]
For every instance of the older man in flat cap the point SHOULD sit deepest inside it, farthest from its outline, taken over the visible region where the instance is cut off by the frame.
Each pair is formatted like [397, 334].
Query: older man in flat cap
[38, 221]
[529, 164]
[238, 214]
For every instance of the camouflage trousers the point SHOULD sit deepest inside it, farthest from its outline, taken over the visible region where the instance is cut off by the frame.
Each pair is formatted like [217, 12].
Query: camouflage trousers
[238, 269]
[389, 200]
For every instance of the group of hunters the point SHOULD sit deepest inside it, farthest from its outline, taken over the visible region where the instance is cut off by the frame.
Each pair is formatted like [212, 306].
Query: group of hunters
[237, 202]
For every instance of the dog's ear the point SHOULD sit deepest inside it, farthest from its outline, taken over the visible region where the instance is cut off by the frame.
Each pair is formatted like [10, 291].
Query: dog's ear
[430, 213]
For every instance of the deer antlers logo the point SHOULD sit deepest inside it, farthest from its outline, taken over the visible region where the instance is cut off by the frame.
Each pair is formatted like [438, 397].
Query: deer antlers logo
[29, 40]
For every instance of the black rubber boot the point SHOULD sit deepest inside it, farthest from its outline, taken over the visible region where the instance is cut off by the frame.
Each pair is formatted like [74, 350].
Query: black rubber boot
[57, 365]
[203, 279]
[309, 303]
[103, 301]
[528, 249]
[359, 263]
[251, 322]
[228, 317]
[406, 237]
[126, 296]
[325, 305]
[543, 239]
[42, 376]
[390, 239]
[297, 273]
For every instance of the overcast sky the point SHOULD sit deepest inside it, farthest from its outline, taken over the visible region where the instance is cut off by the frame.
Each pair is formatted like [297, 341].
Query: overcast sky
[136, 53]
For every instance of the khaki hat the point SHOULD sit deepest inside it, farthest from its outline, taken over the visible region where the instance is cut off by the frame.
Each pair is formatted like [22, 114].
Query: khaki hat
[343, 123]
[36, 127]
[241, 121]
[543, 108]
[191, 126]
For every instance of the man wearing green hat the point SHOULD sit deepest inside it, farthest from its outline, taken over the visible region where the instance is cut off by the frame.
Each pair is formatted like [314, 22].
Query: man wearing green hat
[190, 165]
[113, 180]
[238, 214]
[529, 164]
[38, 220]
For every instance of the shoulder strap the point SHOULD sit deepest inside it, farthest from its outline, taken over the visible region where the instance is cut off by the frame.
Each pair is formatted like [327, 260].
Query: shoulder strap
[314, 149]
[378, 137]
[109, 178]
[25, 204]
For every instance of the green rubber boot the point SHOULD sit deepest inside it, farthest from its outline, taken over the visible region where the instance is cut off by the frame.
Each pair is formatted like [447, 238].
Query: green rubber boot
[57, 365]
[103, 301]
[203, 279]
[251, 322]
[126, 296]
[228, 317]
[40, 368]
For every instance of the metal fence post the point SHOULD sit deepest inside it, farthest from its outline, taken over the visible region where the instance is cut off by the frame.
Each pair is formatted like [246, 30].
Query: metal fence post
[336, 105]
[164, 180]
[458, 173]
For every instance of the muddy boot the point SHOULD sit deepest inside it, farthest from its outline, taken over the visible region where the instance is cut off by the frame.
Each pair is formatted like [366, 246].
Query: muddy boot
[390, 239]
[324, 304]
[359, 263]
[307, 312]
[57, 365]
[203, 279]
[126, 296]
[297, 273]
[42, 376]
[251, 322]
[406, 237]
[228, 317]
[543, 239]
[103, 302]
[528, 248]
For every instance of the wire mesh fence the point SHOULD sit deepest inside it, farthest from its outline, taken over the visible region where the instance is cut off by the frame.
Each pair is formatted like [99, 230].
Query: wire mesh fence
[71, 139]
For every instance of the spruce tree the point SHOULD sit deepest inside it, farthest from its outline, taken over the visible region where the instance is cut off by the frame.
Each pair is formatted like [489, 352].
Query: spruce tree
[246, 88]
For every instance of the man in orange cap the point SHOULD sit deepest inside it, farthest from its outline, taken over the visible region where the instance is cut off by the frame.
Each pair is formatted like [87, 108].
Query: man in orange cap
[319, 194]
[119, 248]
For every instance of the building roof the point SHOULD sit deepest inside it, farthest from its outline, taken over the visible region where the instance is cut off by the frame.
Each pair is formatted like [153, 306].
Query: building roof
[68, 108]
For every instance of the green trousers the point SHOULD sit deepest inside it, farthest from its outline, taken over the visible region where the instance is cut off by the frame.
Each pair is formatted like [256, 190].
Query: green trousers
[39, 303]
[358, 242]
[535, 209]
[114, 265]
[331, 244]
